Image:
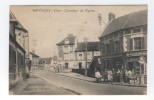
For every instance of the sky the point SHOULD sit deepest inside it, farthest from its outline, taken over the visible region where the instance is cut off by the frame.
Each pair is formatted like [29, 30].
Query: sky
[48, 25]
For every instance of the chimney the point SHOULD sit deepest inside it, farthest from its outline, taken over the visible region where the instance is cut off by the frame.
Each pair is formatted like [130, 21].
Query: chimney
[33, 51]
[70, 35]
[111, 16]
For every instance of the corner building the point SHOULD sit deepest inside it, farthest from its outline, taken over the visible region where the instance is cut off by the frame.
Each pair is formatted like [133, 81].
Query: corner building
[124, 42]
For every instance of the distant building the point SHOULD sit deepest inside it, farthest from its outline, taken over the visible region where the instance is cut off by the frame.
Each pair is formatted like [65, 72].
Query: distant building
[66, 51]
[45, 61]
[124, 42]
[16, 54]
[34, 59]
[54, 60]
[93, 49]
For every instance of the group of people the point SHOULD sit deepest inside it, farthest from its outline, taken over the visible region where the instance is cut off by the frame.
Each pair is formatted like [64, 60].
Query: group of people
[114, 75]
[58, 67]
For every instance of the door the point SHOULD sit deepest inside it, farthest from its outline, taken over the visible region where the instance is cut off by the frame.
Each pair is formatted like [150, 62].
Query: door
[130, 65]
[66, 65]
[80, 65]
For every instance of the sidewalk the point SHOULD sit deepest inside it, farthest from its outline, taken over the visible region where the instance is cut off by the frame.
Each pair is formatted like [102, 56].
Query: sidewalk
[17, 89]
[82, 77]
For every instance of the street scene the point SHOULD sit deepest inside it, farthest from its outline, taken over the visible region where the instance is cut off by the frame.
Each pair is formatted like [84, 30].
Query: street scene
[78, 50]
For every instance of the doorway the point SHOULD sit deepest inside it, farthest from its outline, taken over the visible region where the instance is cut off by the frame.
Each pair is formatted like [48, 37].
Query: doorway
[66, 65]
[80, 65]
[130, 65]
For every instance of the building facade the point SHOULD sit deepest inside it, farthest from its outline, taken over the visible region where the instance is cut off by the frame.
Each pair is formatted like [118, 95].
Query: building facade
[16, 55]
[66, 51]
[93, 49]
[124, 42]
[45, 61]
[34, 59]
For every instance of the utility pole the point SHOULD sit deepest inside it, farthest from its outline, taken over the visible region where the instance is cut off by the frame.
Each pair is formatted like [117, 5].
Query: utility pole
[100, 21]
[85, 40]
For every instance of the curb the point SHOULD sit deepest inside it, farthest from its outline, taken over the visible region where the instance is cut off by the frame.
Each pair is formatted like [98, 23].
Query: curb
[75, 78]
[102, 82]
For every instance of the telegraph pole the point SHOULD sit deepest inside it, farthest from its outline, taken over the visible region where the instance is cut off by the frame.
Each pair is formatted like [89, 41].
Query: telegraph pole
[100, 21]
[85, 40]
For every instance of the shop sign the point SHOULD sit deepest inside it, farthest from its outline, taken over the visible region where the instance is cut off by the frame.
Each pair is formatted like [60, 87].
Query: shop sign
[133, 59]
[136, 54]
[137, 35]
[111, 56]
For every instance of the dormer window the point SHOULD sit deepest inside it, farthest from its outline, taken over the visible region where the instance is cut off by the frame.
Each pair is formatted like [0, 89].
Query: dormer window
[67, 41]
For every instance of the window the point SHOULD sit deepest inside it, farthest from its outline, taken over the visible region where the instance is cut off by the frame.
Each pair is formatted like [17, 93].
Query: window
[103, 48]
[116, 46]
[115, 35]
[136, 30]
[120, 33]
[110, 36]
[66, 48]
[127, 31]
[106, 37]
[106, 48]
[130, 44]
[144, 29]
[137, 43]
[66, 41]
[88, 55]
[71, 48]
[80, 56]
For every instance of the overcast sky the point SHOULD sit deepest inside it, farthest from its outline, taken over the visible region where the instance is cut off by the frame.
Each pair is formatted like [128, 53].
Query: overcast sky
[49, 25]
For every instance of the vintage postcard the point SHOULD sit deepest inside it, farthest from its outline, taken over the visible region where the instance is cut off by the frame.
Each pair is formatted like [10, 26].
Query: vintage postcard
[78, 50]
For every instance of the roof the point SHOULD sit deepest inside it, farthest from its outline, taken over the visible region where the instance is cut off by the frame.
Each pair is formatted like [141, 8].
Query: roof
[12, 18]
[91, 46]
[47, 60]
[127, 21]
[18, 26]
[71, 41]
[33, 54]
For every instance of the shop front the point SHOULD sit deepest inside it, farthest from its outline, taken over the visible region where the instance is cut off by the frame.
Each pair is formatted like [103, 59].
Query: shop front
[112, 61]
[137, 64]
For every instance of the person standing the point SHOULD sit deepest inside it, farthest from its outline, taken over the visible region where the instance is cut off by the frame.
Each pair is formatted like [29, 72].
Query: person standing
[98, 76]
[113, 75]
[118, 75]
[129, 75]
[126, 76]
[121, 76]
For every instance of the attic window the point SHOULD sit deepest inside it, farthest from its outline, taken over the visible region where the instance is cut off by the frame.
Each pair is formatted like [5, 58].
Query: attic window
[66, 41]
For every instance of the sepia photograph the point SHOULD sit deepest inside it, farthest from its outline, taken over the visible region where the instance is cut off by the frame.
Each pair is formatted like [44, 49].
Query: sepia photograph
[78, 49]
